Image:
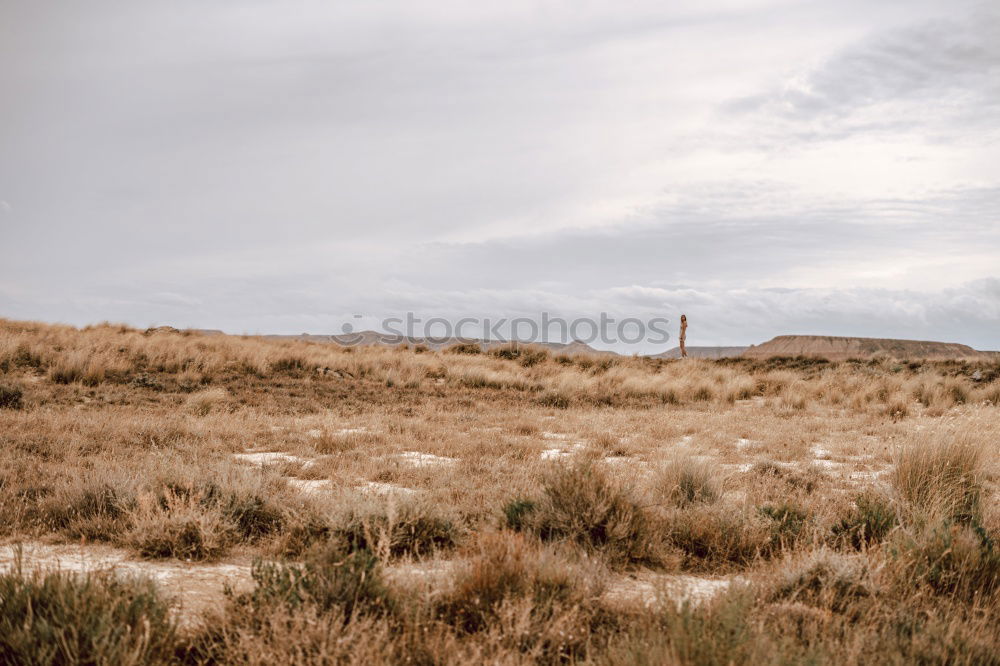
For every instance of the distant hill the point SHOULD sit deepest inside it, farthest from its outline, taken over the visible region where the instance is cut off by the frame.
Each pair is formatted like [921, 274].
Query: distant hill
[370, 338]
[842, 348]
[702, 352]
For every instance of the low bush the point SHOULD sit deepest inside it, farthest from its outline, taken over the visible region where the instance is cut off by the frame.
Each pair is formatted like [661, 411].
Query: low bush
[950, 558]
[823, 579]
[330, 579]
[869, 521]
[582, 504]
[11, 397]
[411, 529]
[61, 618]
[506, 566]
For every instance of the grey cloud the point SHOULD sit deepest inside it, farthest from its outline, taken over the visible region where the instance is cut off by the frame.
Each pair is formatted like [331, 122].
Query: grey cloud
[280, 167]
[949, 67]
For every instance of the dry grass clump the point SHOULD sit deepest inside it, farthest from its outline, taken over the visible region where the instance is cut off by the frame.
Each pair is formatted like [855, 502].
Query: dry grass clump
[507, 569]
[95, 508]
[332, 608]
[344, 442]
[204, 402]
[186, 518]
[824, 579]
[607, 444]
[389, 530]
[687, 480]
[717, 537]
[179, 526]
[330, 578]
[525, 428]
[555, 398]
[941, 474]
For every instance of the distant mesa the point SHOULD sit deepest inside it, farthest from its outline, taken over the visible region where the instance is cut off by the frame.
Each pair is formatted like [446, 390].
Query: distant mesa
[834, 348]
[373, 338]
[843, 348]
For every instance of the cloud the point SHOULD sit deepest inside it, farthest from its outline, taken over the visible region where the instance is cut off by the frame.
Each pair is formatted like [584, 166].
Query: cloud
[248, 166]
[942, 73]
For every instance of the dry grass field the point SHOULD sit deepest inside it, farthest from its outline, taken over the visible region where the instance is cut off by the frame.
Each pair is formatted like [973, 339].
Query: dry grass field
[177, 498]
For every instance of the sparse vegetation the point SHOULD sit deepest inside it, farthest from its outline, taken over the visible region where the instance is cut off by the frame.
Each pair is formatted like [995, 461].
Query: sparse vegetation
[501, 505]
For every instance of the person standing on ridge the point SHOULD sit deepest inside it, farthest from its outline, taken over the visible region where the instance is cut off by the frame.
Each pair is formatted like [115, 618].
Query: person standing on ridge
[683, 336]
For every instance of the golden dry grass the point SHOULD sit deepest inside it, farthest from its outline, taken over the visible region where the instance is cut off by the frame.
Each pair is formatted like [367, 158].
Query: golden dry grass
[511, 506]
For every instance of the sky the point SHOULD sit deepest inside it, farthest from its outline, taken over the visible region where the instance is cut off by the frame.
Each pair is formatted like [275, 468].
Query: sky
[766, 167]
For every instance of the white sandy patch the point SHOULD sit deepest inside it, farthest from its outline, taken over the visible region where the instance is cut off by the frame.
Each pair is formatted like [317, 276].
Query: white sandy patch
[384, 489]
[654, 589]
[546, 434]
[263, 458]
[311, 486]
[418, 459]
[316, 433]
[556, 454]
[194, 586]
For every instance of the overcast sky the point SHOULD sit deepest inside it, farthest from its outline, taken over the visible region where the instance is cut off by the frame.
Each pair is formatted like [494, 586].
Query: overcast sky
[767, 167]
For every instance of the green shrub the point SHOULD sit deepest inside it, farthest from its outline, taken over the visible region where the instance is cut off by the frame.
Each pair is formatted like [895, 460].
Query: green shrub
[59, 618]
[516, 513]
[951, 558]
[330, 579]
[870, 520]
[788, 523]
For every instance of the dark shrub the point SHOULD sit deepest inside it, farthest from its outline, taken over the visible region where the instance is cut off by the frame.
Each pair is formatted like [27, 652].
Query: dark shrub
[58, 618]
[330, 579]
[868, 522]
[11, 397]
